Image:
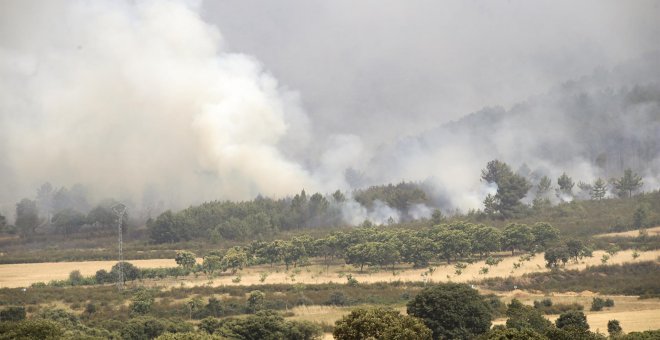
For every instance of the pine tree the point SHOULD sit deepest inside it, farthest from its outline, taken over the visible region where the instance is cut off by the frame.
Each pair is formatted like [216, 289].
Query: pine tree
[599, 189]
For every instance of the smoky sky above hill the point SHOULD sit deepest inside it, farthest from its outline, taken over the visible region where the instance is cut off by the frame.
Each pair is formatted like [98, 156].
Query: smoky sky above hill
[187, 101]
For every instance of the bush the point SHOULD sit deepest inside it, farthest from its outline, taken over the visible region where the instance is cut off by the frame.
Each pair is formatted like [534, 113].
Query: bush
[451, 310]
[379, 323]
[14, 313]
[572, 319]
[597, 304]
[337, 298]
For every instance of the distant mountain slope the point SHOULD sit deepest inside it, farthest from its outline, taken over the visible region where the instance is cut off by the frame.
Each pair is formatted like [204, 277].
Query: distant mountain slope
[592, 127]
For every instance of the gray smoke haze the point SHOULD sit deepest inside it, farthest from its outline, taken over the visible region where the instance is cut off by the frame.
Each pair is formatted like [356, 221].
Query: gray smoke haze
[190, 101]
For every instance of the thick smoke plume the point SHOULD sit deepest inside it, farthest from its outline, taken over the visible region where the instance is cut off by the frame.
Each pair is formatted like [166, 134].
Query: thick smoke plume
[124, 97]
[149, 101]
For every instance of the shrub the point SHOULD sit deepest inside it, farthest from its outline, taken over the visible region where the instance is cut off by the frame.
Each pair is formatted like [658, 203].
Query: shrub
[379, 323]
[13, 313]
[451, 310]
[614, 328]
[597, 303]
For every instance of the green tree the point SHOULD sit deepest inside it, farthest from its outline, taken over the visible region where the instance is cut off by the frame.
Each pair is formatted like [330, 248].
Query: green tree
[380, 323]
[450, 310]
[640, 217]
[437, 217]
[523, 317]
[27, 217]
[544, 234]
[565, 184]
[372, 253]
[12, 313]
[255, 301]
[211, 264]
[577, 249]
[555, 255]
[68, 221]
[264, 325]
[185, 259]
[142, 301]
[31, 329]
[131, 272]
[572, 319]
[451, 244]
[166, 228]
[544, 186]
[511, 188]
[235, 259]
[614, 328]
[517, 236]
[486, 240]
[503, 333]
[628, 184]
[599, 189]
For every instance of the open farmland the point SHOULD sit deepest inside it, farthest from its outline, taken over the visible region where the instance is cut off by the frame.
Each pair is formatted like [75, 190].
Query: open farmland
[22, 275]
[655, 231]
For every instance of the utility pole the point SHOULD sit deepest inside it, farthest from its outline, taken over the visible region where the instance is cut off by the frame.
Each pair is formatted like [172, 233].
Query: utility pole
[119, 210]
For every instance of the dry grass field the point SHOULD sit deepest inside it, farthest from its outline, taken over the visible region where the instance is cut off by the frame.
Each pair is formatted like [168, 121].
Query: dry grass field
[22, 275]
[316, 274]
[633, 313]
[655, 231]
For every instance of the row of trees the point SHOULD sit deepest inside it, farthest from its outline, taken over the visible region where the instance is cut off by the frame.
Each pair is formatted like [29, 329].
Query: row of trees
[370, 246]
[512, 187]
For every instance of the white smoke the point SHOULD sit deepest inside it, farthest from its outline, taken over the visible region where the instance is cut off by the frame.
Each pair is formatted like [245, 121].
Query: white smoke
[122, 96]
[355, 213]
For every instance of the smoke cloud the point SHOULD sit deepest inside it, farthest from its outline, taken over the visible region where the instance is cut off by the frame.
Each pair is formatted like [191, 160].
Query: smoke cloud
[187, 101]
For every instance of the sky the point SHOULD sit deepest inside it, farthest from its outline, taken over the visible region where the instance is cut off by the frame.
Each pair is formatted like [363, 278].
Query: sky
[191, 101]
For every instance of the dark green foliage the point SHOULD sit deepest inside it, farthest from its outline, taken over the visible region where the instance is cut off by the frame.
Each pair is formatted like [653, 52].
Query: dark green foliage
[188, 336]
[640, 217]
[401, 197]
[572, 319]
[627, 184]
[503, 333]
[646, 335]
[511, 188]
[27, 217]
[614, 327]
[517, 236]
[141, 302]
[565, 184]
[131, 272]
[68, 221]
[147, 327]
[556, 256]
[31, 329]
[597, 303]
[264, 325]
[627, 279]
[167, 228]
[255, 301]
[380, 323]
[185, 259]
[337, 299]
[546, 306]
[526, 317]
[451, 311]
[12, 313]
